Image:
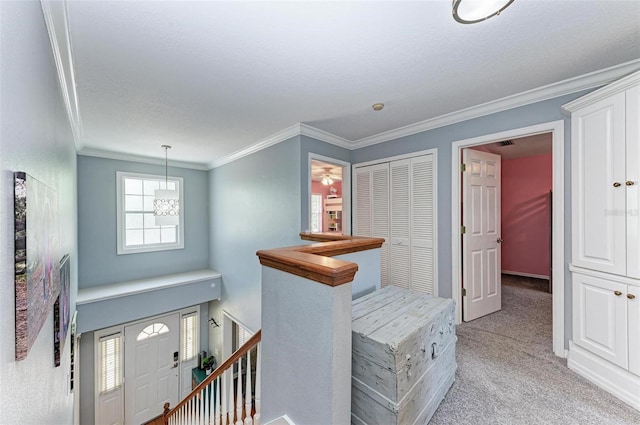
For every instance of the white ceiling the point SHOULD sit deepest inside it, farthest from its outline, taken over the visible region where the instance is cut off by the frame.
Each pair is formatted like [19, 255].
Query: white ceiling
[213, 78]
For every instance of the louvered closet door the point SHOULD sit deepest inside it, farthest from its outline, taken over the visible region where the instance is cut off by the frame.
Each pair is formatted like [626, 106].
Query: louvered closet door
[422, 204]
[400, 271]
[372, 210]
[380, 215]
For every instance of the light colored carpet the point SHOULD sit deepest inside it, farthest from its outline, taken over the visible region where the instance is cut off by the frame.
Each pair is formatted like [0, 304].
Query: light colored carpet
[507, 373]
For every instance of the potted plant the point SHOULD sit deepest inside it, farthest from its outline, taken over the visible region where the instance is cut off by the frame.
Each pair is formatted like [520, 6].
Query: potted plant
[209, 363]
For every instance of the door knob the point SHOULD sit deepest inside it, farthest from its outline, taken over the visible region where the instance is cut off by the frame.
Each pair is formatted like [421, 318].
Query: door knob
[499, 240]
[629, 183]
[617, 293]
[616, 184]
[631, 296]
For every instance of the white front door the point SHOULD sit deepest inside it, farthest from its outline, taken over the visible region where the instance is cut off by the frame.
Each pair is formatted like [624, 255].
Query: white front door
[481, 240]
[151, 368]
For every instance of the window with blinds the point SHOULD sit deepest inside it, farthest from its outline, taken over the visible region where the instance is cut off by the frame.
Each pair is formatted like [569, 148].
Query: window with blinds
[110, 362]
[189, 336]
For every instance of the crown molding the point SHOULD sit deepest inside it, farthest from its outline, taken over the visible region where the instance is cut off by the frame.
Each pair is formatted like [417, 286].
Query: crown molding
[325, 136]
[98, 153]
[571, 85]
[613, 88]
[274, 139]
[55, 16]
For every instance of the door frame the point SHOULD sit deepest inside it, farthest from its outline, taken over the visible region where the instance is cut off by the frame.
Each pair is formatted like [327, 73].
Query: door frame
[556, 128]
[120, 330]
[346, 190]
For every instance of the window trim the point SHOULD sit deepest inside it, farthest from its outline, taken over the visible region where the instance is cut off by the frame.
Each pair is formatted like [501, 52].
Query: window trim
[120, 215]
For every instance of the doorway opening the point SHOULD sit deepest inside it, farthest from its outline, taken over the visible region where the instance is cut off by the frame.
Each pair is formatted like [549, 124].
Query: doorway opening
[329, 195]
[554, 130]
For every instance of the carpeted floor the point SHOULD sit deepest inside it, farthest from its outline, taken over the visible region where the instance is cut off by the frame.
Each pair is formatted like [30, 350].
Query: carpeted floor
[507, 373]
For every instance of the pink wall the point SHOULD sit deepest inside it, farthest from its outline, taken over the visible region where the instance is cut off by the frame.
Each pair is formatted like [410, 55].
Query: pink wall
[317, 187]
[526, 183]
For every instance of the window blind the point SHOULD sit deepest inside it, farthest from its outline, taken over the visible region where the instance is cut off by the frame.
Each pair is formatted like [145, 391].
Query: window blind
[110, 362]
[189, 336]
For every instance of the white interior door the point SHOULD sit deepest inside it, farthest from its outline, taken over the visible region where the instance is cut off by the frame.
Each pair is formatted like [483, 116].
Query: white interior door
[151, 368]
[481, 238]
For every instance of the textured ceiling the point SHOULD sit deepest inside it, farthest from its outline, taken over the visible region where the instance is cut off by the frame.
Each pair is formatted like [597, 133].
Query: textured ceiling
[212, 78]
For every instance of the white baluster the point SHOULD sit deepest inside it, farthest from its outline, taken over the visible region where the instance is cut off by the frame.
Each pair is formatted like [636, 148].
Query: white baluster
[218, 391]
[225, 396]
[239, 404]
[230, 397]
[248, 420]
[201, 403]
[256, 417]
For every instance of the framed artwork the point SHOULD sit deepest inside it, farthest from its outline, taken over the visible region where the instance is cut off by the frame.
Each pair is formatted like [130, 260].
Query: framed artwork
[37, 270]
[61, 311]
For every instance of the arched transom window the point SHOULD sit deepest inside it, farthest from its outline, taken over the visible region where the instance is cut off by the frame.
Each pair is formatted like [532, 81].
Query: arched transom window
[152, 330]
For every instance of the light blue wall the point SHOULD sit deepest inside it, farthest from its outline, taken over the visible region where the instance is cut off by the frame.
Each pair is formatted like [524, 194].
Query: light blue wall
[309, 145]
[255, 204]
[99, 263]
[442, 138]
[35, 138]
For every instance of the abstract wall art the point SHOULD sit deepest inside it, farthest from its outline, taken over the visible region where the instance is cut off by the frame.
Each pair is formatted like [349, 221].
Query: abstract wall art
[37, 270]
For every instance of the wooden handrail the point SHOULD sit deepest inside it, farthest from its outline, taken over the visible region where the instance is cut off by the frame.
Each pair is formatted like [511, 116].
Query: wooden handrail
[252, 342]
[314, 261]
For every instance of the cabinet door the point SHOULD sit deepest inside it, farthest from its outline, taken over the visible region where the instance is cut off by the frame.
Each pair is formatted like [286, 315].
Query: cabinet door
[633, 308]
[598, 192]
[632, 183]
[600, 317]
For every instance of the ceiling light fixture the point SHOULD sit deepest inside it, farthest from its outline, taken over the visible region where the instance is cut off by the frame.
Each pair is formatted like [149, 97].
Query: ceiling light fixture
[377, 106]
[473, 11]
[166, 203]
[327, 179]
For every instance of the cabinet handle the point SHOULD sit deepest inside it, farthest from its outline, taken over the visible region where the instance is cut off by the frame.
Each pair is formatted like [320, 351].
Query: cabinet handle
[629, 183]
[616, 184]
[631, 296]
[618, 293]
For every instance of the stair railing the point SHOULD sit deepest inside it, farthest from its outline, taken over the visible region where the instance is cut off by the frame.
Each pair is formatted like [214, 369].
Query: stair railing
[222, 398]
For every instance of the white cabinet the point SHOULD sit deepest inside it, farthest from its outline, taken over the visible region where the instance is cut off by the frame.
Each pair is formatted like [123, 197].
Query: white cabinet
[601, 321]
[605, 153]
[395, 200]
[605, 191]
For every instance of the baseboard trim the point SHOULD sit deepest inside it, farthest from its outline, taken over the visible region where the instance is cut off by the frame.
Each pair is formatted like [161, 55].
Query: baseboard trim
[609, 377]
[537, 276]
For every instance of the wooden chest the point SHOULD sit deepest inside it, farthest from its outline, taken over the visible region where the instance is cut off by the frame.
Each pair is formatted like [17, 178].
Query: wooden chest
[403, 356]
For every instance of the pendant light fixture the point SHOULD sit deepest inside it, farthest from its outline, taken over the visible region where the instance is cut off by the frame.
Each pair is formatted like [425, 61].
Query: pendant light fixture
[166, 203]
[473, 11]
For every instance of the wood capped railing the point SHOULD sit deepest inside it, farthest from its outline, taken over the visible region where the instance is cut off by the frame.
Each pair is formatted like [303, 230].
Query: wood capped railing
[227, 396]
[314, 261]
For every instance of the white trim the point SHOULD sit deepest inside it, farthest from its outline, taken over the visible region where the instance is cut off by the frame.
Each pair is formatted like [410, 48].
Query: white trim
[536, 276]
[66, 76]
[124, 289]
[433, 151]
[606, 375]
[324, 136]
[616, 87]
[121, 249]
[346, 189]
[97, 153]
[550, 91]
[556, 128]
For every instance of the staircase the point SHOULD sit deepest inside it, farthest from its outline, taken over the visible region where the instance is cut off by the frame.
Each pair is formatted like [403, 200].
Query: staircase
[229, 396]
